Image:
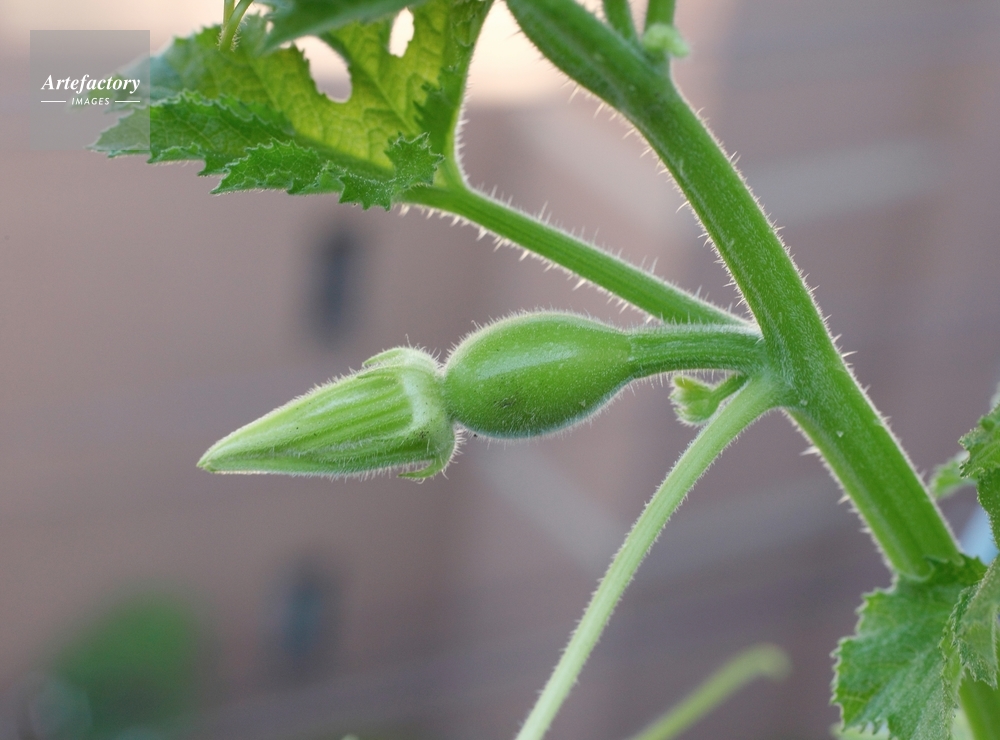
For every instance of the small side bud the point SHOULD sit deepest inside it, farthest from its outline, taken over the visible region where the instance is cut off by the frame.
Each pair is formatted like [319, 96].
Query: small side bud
[536, 373]
[391, 414]
[664, 38]
[696, 402]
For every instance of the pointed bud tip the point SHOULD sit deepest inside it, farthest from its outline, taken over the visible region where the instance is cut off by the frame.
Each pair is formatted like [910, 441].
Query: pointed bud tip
[389, 415]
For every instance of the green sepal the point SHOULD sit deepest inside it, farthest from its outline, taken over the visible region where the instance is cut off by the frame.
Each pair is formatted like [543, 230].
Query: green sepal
[389, 415]
[901, 669]
[695, 402]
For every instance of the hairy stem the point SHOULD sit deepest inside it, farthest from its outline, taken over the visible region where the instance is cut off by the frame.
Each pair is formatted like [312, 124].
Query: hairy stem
[822, 395]
[641, 289]
[759, 661]
[825, 399]
[232, 25]
[757, 397]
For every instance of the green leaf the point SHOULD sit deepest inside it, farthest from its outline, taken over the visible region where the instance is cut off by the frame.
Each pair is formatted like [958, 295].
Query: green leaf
[291, 19]
[259, 120]
[129, 136]
[983, 445]
[218, 132]
[983, 465]
[947, 477]
[901, 669]
[975, 627]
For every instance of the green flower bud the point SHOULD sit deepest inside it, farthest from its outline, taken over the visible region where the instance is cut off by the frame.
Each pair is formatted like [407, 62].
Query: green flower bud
[696, 402]
[664, 38]
[535, 373]
[391, 414]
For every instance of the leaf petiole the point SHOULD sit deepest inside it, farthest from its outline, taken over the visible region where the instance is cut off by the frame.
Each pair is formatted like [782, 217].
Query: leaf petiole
[643, 290]
[232, 23]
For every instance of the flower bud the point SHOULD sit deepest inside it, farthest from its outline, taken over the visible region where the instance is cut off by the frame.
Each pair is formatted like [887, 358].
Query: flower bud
[696, 402]
[391, 414]
[535, 373]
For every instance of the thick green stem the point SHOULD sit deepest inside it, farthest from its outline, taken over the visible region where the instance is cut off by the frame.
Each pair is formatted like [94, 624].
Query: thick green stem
[824, 397]
[754, 399]
[982, 708]
[626, 281]
[760, 661]
[821, 393]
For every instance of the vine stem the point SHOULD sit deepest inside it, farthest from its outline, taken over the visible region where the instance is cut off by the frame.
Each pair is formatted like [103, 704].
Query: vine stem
[759, 661]
[982, 709]
[821, 394]
[638, 287]
[232, 23]
[756, 398]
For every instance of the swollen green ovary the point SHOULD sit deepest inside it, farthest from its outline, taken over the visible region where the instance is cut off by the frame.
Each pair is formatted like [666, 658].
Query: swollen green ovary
[531, 375]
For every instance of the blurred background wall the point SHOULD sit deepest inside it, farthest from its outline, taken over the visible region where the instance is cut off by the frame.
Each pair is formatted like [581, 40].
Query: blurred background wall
[141, 319]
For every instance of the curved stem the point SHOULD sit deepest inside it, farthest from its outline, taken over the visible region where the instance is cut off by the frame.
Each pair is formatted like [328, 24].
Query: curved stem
[641, 289]
[828, 404]
[760, 661]
[824, 397]
[757, 397]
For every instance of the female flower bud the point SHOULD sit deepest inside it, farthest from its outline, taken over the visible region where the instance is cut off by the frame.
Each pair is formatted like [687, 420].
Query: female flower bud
[391, 414]
[535, 373]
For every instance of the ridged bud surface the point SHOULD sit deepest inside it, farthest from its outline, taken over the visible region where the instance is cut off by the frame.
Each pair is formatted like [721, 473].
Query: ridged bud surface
[391, 414]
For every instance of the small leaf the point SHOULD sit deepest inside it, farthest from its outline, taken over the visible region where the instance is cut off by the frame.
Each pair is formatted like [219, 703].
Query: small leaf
[975, 627]
[983, 445]
[901, 669]
[947, 478]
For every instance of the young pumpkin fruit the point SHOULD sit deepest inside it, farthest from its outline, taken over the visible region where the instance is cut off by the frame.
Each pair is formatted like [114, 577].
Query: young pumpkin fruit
[535, 373]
